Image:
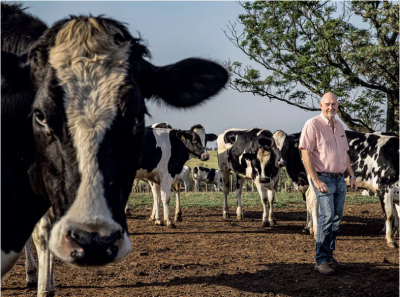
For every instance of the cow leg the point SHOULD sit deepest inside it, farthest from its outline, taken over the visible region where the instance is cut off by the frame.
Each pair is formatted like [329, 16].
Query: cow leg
[41, 236]
[178, 210]
[389, 217]
[239, 185]
[127, 208]
[157, 202]
[165, 197]
[30, 265]
[271, 198]
[225, 185]
[186, 187]
[264, 200]
[306, 228]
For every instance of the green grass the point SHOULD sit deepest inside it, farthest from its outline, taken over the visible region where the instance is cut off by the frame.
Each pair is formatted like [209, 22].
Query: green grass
[211, 163]
[249, 199]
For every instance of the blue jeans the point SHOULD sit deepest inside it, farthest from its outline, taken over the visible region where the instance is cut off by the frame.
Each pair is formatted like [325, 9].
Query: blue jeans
[330, 206]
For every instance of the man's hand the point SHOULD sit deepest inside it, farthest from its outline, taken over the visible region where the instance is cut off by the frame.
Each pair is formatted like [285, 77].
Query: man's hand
[321, 186]
[353, 184]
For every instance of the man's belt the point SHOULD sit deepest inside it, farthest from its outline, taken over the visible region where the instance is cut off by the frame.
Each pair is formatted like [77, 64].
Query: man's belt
[328, 174]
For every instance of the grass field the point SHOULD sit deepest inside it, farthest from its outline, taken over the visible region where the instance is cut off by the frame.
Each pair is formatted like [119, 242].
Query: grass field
[212, 163]
[249, 199]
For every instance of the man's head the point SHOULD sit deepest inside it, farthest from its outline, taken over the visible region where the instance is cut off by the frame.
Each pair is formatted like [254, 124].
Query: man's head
[329, 105]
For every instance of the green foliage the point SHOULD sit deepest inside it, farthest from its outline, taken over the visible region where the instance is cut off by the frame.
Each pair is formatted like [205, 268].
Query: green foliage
[315, 45]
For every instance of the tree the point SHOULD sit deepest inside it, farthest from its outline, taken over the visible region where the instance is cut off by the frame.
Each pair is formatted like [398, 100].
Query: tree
[315, 45]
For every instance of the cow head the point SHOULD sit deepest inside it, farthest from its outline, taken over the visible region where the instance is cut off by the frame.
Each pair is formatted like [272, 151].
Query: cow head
[193, 143]
[204, 137]
[279, 137]
[89, 80]
[263, 153]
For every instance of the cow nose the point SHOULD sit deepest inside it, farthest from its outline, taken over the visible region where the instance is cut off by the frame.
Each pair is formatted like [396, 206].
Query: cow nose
[264, 180]
[89, 248]
[204, 157]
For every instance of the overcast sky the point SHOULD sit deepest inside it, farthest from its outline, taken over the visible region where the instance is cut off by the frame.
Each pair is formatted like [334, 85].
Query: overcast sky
[177, 30]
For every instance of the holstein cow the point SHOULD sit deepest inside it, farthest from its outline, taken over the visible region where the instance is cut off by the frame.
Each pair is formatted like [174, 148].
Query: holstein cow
[164, 153]
[72, 113]
[251, 154]
[185, 177]
[375, 161]
[206, 175]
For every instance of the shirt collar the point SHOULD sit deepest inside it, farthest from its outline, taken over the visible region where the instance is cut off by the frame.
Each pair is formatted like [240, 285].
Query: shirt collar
[326, 121]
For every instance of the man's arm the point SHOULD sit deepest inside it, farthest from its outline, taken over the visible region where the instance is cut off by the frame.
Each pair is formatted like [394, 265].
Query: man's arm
[308, 163]
[353, 182]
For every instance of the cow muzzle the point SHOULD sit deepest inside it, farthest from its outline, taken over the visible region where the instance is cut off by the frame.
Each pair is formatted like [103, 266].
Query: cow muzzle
[205, 157]
[82, 247]
[280, 163]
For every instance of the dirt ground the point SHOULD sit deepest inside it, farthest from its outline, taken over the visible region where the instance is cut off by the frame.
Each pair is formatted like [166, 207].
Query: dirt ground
[208, 256]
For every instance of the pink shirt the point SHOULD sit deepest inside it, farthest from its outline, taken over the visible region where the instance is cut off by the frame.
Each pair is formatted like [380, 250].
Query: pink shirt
[328, 148]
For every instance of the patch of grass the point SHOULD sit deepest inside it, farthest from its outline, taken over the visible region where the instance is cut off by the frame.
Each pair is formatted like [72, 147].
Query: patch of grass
[249, 199]
[211, 163]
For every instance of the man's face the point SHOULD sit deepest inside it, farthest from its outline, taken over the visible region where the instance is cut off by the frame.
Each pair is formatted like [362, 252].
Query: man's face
[329, 106]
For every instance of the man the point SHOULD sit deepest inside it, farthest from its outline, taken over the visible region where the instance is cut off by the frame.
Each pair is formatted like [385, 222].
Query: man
[324, 147]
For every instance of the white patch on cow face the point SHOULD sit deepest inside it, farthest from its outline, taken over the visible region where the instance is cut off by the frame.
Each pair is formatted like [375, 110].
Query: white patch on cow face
[7, 261]
[263, 157]
[91, 68]
[279, 137]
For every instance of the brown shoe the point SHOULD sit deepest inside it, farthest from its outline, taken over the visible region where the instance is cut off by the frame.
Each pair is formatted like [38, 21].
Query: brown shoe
[324, 269]
[336, 265]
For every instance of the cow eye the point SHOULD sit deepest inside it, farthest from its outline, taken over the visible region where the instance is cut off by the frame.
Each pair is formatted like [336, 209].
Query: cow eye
[40, 119]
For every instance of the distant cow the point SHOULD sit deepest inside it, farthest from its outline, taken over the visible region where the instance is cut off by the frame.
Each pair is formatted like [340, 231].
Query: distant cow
[206, 175]
[375, 160]
[185, 177]
[251, 154]
[164, 153]
[72, 112]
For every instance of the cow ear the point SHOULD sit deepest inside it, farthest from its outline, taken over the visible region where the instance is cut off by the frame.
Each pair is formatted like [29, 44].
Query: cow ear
[265, 143]
[211, 137]
[15, 74]
[249, 157]
[183, 84]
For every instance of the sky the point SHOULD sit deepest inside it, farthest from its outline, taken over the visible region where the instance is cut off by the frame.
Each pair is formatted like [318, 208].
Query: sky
[176, 30]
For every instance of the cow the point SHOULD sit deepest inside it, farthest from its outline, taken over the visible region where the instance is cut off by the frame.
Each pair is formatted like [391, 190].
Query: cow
[163, 155]
[251, 154]
[374, 158]
[206, 175]
[72, 112]
[184, 176]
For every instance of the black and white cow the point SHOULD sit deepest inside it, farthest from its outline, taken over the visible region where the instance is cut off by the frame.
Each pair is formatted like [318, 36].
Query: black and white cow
[72, 112]
[206, 175]
[374, 158]
[251, 154]
[184, 176]
[164, 153]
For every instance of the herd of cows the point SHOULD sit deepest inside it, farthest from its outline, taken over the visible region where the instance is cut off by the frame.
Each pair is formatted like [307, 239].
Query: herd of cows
[74, 140]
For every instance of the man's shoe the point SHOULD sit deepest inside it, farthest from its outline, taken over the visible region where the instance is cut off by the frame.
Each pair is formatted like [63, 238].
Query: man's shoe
[336, 265]
[324, 269]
